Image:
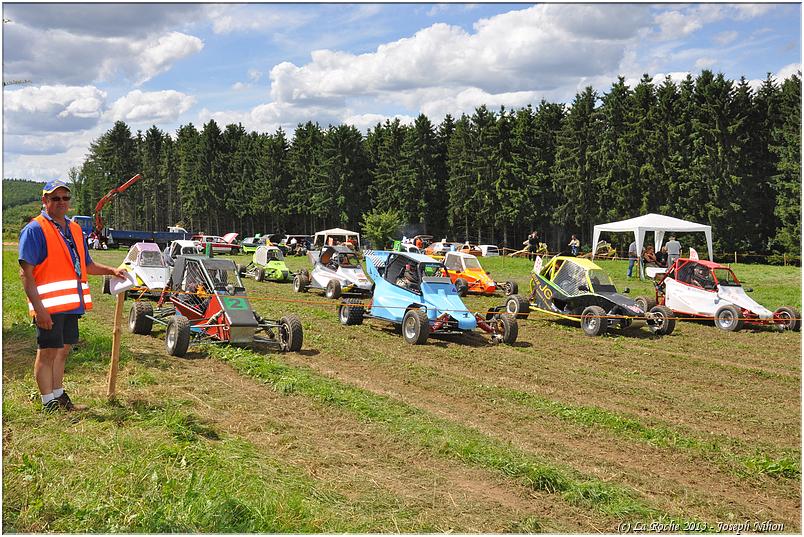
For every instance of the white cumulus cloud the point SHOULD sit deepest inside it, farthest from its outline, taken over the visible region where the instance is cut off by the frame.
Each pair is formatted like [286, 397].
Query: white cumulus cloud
[155, 58]
[52, 108]
[153, 106]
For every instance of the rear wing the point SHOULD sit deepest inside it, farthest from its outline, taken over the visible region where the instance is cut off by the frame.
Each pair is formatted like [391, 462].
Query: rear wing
[375, 262]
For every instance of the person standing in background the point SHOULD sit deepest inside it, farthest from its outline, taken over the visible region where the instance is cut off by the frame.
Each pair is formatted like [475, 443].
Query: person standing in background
[632, 258]
[673, 250]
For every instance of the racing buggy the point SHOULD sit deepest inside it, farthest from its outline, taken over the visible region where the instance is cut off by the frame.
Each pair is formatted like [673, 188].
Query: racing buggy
[413, 290]
[337, 270]
[204, 302]
[578, 290]
[469, 277]
[267, 263]
[706, 289]
[144, 260]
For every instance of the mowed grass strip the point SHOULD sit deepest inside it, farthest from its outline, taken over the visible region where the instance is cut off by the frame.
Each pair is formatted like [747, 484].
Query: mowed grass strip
[144, 468]
[661, 436]
[441, 436]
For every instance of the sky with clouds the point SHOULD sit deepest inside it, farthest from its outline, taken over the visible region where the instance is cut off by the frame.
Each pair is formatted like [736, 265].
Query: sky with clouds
[275, 65]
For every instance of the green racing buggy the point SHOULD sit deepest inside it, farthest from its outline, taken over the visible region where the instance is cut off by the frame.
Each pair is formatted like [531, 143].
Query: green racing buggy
[267, 263]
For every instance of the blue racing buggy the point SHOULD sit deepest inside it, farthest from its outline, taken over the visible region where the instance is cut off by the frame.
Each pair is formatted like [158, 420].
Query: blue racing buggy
[413, 290]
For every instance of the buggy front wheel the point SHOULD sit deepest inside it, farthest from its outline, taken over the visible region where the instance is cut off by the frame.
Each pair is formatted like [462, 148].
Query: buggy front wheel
[333, 290]
[139, 318]
[593, 321]
[518, 306]
[508, 327]
[177, 336]
[291, 333]
[788, 318]
[728, 318]
[415, 327]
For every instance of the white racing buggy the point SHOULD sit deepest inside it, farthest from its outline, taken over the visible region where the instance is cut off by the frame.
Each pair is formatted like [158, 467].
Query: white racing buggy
[337, 270]
[710, 290]
[144, 260]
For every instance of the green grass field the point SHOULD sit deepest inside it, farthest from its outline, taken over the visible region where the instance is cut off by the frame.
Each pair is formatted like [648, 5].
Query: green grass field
[360, 432]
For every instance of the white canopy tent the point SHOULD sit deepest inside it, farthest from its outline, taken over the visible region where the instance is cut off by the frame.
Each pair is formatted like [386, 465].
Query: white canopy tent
[657, 223]
[341, 235]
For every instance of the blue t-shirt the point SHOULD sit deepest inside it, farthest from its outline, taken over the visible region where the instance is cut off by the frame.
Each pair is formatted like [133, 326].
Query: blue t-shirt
[33, 250]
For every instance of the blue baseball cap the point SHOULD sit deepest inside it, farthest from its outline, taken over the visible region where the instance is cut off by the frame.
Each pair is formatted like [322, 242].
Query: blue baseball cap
[53, 185]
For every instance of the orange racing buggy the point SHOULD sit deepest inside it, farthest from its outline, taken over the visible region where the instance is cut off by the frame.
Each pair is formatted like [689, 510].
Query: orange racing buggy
[468, 276]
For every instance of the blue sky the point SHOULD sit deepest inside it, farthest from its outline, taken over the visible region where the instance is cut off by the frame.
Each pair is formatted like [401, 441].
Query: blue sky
[274, 65]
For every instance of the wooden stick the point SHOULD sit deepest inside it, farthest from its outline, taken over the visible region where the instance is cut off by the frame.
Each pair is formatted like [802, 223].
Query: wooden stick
[118, 314]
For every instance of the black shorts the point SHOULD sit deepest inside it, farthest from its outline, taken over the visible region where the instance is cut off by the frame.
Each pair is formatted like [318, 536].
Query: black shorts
[64, 332]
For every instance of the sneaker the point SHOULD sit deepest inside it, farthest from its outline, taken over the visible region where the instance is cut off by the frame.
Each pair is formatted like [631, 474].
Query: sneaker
[64, 402]
[51, 406]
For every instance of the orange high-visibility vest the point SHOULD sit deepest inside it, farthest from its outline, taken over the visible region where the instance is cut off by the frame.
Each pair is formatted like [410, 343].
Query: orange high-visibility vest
[56, 280]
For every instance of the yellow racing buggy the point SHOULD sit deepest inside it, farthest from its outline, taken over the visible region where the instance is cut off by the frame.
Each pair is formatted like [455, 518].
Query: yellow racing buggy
[580, 291]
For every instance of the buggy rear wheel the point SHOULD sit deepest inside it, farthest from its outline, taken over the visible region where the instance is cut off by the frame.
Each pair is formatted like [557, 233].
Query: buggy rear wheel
[177, 336]
[300, 282]
[645, 303]
[351, 312]
[462, 286]
[241, 270]
[593, 321]
[259, 274]
[788, 318]
[291, 333]
[510, 288]
[664, 321]
[415, 327]
[518, 306]
[333, 289]
[728, 318]
[139, 321]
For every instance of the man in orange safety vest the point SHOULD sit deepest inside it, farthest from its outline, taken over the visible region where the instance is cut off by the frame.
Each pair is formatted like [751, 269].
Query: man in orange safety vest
[54, 264]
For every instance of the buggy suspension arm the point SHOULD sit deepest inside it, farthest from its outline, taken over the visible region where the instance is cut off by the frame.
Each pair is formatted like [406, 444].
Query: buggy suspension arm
[440, 322]
[483, 325]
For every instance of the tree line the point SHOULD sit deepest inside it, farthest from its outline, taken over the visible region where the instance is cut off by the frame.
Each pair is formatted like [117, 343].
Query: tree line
[707, 149]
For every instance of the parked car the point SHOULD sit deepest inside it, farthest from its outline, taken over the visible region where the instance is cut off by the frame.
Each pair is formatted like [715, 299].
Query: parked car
[489, 250]
[267, 263]
[205, 301]
[337, 270]
[578, 290]
[468, 276]
[181, 247]
[220, 245]
[413, 290]
[706, 289]
[250, 244]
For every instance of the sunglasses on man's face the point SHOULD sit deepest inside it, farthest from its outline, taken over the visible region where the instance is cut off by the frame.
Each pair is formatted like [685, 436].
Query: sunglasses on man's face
[57, 198]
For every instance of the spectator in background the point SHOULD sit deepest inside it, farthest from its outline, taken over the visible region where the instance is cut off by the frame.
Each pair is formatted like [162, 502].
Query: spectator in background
[649, 257]
[632, 258]
[673, 250]
[661, 257]
[574, 245]
[533, 244]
